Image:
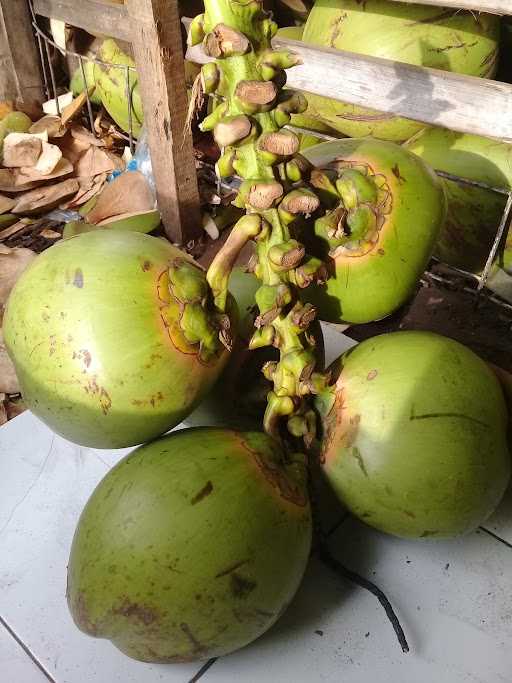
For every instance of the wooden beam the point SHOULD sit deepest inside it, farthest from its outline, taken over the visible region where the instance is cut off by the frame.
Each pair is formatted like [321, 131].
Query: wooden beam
[158, 50]
[491, 6]
[20, 72]
[462, 103]
[98, 17]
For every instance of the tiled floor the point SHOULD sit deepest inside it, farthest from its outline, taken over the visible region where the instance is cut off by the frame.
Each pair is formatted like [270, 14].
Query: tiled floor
[454, 599]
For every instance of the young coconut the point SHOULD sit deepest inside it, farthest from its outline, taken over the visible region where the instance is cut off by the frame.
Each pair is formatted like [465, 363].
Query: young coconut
[387, 208]
[114, 337]
[192, 546]
[474, 213]
[414, 436]
[448, 39]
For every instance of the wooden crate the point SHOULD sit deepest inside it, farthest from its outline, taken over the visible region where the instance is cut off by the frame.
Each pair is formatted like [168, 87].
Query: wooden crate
[461, 103]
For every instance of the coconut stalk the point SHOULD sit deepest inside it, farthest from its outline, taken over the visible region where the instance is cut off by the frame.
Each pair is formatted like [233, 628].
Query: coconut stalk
[248, 76]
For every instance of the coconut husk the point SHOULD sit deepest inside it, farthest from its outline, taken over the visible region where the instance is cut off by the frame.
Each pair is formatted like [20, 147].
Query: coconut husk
[94, 162]
[72, 148]
[83, 135]
[21, 149]
[138, 221]
[10, 182]
[89, 188]
[47, 162]
[51, 124]
[13, 227]
[12, 264]
[75, 107]
[50, 106]
[6, 203]
[127, 194]
[43, 199]
[8, 380]
[28, 175]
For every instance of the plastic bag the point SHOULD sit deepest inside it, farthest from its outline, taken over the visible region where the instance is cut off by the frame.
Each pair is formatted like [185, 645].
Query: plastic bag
[141, 161]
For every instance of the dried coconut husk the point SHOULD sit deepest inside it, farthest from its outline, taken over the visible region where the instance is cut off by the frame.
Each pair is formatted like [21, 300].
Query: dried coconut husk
[76, 106]
[10, 182]
[8, 380]
[12, 264]
[27, 175]
[80, 133]
[6, 203]
[43, 199]
[72, 148]
[51, 124]
[89, 188]
[129, 193]
[94, 162]
[21, 149]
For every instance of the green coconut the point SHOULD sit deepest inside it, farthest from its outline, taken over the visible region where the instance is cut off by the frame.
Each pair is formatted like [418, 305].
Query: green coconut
[440, 38]
[415, 437]
[111, 337]
[192, 546]
[111, 86]
[13, 122]
[474, 214]
[379, 238]
[77, 84]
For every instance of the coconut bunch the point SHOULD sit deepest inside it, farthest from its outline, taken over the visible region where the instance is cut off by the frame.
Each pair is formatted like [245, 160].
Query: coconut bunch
[195, 543]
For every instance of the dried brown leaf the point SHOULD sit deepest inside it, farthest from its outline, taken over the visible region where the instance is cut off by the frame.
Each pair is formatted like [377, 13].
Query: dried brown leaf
[76, 106]
[128, 193]
[94, 162]
[6, 203]
[80, 133]
[12, 263]
[27, 175]
[8, 380]
[51, 124]
[45, 198]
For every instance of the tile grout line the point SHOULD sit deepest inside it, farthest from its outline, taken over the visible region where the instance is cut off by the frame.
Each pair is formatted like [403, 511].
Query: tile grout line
[203, 670]
[496, 537]
[27, 651]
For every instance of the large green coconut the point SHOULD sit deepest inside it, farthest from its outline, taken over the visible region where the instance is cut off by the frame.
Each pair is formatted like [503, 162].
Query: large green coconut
[379, 238]
[111, 337]
[192, 546]
[474, 214]
[415, 436]
[441, 38]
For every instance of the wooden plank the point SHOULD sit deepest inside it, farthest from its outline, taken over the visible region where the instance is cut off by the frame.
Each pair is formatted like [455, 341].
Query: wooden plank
[462, 103]
[157, 45]
[98, 17]
[491, 6]
[20, 74]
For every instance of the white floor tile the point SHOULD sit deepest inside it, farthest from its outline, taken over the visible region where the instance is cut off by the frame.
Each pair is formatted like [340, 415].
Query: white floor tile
[454, 600]
[15, 664]
[45, 483]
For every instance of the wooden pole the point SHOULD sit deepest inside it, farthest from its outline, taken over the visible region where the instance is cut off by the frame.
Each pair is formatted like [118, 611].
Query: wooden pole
[158, 50]
[20, 70]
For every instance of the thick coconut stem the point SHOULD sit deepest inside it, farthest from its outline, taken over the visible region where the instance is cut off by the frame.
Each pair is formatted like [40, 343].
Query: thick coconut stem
[248, 76]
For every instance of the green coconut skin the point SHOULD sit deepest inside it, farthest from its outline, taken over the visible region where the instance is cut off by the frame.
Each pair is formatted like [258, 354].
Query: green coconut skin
[415, 438]
[96, 335]
[440, 38]
[370, 284]
[191, 547]
[474, 214]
